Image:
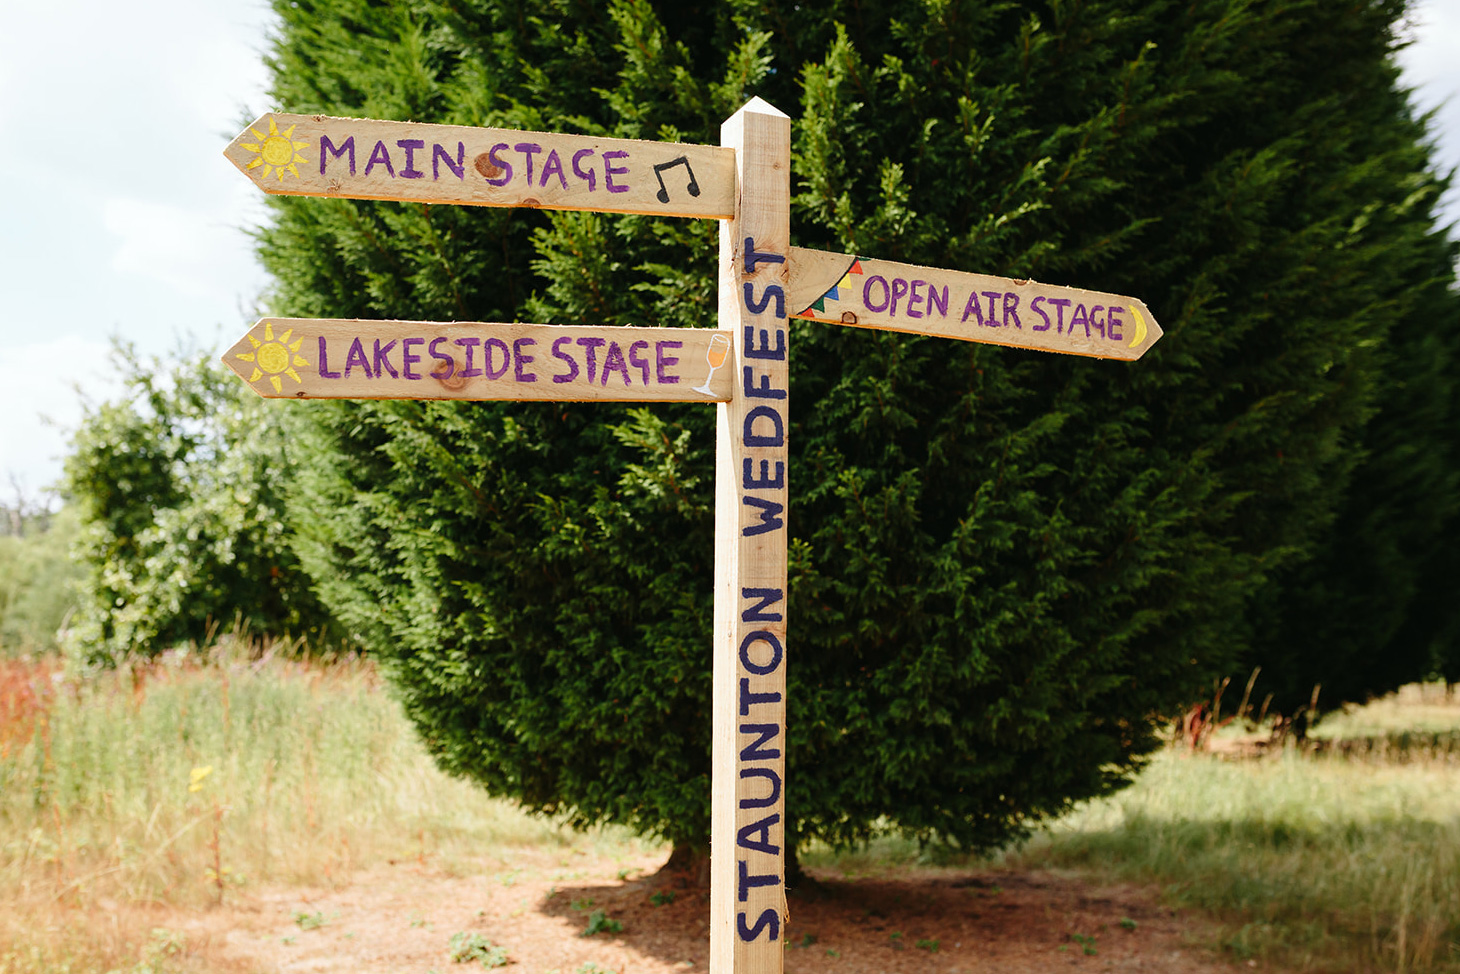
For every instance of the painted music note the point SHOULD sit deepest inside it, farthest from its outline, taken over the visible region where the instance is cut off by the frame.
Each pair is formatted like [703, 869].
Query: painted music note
[663, 194]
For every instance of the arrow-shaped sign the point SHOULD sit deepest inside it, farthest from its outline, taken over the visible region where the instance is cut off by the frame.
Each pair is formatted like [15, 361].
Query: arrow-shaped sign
[335, 358]
[849, 290]
[318, 155]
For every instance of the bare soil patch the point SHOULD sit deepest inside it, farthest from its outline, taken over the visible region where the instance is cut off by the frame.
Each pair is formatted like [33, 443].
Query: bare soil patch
[537, 904]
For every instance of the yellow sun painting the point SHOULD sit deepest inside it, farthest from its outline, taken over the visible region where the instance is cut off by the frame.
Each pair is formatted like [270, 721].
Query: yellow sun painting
[276, 152]
[274, 358]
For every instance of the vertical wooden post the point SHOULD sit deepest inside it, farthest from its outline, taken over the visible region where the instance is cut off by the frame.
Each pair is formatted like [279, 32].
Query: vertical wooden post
[747, 836]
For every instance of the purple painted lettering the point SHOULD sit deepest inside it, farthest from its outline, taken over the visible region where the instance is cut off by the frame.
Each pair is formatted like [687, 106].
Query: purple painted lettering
[745, 836]
[764, 598]
[766, 481]
[756, 750]
[771, 291]
[1060, 305]
[551, 166]
[356, 356]
[663, 361]
[494, 371]
[899, 290]
[1113, 322]
[761, 391]
[638, 361]
[519, 360]
[1034, 306]
[409, 358]
[326, 146]
[411, 145]
[610, 170]
[747, 881]
[753, 256]
[382, 360]
[593, 345]
[379, 155]
[1011, 309]
[770, 516]
[867, 293]
[528, 149]
[768, 918]
[777, 652]
[1096, 320]
[450, 364]
[470, 345]
[750, 438]
[589, 175]
[324, 362]
[914, 298]
[941, 303]
[614, 362]
[572, 372]
[771, 776]
[440, 155]
[501, 164]
[749, 699]
[972, 308]
[1080, 317]
[765, 351]
[992, 319]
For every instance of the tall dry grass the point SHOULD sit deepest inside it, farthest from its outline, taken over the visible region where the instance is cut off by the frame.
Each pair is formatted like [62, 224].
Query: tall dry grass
[1340, 856]
[181, 781]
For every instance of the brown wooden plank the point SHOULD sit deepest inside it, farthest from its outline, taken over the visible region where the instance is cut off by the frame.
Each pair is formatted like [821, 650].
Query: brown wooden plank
[338, 358]
[845, 289]
[747, 846]
[320, 155]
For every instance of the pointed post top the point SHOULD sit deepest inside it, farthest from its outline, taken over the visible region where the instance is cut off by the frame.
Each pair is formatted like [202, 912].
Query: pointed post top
[759, 106]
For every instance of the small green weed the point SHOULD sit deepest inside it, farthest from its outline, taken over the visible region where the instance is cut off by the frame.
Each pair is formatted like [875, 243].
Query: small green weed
[833, 952]
[311, 921]
[1087, 941]
[931, 946]
[468, 947]
[598, 921]
[592, 968]
[581, 905]
[1126, 923]
[662, 898]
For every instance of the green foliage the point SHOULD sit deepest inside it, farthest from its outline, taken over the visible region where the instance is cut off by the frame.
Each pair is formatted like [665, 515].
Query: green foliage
[37, 581]
[598, 922]
[469, 947]
[1005, 566]
[1325, 863]
[178, 484]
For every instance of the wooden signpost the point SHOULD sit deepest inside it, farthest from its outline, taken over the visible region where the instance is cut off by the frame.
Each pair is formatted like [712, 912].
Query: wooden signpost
[742, 366]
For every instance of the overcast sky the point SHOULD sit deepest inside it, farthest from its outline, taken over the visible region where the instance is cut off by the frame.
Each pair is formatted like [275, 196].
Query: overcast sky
[123, 218]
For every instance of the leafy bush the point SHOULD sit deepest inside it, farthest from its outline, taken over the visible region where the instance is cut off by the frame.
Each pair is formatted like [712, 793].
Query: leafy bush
[178, 484]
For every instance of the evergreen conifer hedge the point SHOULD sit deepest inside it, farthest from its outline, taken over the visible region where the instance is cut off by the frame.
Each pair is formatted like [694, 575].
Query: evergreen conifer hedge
[1006, 567]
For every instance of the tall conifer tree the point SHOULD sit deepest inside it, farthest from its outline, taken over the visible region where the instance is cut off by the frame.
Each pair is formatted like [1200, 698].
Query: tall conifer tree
[1005, 567]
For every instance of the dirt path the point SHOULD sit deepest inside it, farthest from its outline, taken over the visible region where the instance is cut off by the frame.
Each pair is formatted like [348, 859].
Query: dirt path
[401, 918]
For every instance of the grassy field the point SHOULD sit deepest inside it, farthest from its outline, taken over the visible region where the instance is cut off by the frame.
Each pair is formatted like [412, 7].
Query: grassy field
[190, 781]
[182, 782]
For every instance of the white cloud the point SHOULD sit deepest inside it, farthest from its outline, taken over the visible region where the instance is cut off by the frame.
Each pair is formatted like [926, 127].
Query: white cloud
[192, 252]
[1431, 66]
[38, 397]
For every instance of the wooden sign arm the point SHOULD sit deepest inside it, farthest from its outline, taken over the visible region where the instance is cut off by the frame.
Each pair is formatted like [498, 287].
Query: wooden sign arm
[867, 293]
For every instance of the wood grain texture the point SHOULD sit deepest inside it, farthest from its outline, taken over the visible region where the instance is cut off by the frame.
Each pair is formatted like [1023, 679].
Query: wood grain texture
[747, 846]
[339, 358]
[845, 289]
[320, 155]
